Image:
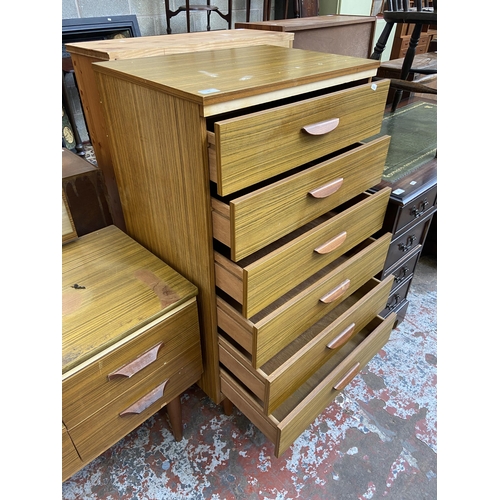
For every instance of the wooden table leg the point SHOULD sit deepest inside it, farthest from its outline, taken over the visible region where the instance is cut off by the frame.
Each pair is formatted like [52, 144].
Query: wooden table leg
[174, 411]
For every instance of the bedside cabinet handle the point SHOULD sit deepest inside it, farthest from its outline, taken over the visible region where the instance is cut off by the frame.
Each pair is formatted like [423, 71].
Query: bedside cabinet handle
[402, 274]
[321, 128]
[342, 338]
[336, 292]
[332, 244]
[146, 401]
[138, 364]
[347, 377]
[327, 189]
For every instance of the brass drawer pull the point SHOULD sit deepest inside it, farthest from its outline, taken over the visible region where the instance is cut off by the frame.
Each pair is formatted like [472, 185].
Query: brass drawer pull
[342, 338]
[146, 401]
[332, 244]
[347, 377]
[336, 292]
[138, 364]
[327, 189]
[416, 212]
[409, 242]
[321, 128]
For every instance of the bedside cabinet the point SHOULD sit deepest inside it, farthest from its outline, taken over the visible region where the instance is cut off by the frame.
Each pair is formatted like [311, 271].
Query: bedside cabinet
[243, 169]
[412, 205]
[130, 344]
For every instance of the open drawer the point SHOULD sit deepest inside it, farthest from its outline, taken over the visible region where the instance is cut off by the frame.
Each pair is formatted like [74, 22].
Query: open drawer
[249, 221]
[277, 379]
[250, 148]
[287, 422]
[273, 328]
[260, 279]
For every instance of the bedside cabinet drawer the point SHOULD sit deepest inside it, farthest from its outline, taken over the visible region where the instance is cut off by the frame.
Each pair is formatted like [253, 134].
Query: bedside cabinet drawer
[278, 379]
[71, 462]
[263, 277]
[272, 329]
[251, 148]
[286, 423]
[397, 297]
[252, 220]
[123, 414]
[167, 343]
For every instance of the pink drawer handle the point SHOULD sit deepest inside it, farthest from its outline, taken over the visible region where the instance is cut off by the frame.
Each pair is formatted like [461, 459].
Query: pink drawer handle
[327, 189]
[138, 364]
[332, 244]
[347, 377]
[146, 401]
[321, 128]
[342, 338]
[336, 292]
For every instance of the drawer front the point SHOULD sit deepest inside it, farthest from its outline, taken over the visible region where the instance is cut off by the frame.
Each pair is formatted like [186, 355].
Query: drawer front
[417, 209]
[167, 344]
[398, 295]
[404, 270]
[268, 278]
[71, 462]
[283, 375]
[122, 415]
[291, 419]
[263, 216]
[260, 145]
[272, 332]
[408, 242]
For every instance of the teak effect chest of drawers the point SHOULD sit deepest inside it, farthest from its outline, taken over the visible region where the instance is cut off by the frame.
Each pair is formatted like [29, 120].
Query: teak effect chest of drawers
[243, 170]
[130, 345]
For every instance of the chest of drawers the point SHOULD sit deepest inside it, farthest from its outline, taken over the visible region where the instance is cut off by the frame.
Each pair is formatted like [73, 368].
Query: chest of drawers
[411, 209]
[244, 170]
[131, 342]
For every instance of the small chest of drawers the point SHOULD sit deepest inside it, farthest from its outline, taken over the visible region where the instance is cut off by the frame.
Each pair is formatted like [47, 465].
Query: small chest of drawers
[130, 344]
[412, 206]
[245, 170]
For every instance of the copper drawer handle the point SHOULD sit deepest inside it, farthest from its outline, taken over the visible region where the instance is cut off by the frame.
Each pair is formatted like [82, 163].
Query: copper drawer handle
[138, 364]
[332, 244]
[347, 377]
[146, 401]
[342, 338]
[336, 292]
[321, 128]
[327, 189]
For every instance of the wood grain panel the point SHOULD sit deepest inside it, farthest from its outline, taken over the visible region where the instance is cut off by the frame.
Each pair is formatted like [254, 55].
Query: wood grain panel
[261, 145]
[104, 428]
[177, 228]
[294, 423]
[273, 328]
[266, 214]
[71, 462]
[90, 389]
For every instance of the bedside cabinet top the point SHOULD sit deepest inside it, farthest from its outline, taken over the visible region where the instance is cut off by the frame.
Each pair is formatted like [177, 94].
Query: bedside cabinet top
[228, 79]
[112, 287]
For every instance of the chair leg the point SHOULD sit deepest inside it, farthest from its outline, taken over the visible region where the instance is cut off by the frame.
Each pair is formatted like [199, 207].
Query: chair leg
[407, 62]
[382, 42]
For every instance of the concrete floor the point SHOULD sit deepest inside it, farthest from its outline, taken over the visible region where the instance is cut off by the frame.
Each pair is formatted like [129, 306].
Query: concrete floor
[377, 440]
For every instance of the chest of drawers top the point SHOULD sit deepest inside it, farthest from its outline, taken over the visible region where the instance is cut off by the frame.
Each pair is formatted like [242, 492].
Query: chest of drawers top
[233, 78]
[112, 287]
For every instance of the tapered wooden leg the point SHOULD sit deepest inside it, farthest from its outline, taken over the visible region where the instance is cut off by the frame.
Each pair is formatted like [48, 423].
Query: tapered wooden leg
[174, 411]
[227, 406]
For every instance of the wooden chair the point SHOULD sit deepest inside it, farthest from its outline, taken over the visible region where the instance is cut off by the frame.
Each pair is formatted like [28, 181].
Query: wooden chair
[418, 15]
[187, 8]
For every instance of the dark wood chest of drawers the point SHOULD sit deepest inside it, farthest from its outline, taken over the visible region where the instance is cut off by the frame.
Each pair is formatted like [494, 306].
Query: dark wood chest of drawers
[412, 205]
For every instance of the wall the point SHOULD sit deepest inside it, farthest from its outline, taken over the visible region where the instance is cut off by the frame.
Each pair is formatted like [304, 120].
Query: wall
[151, 13]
